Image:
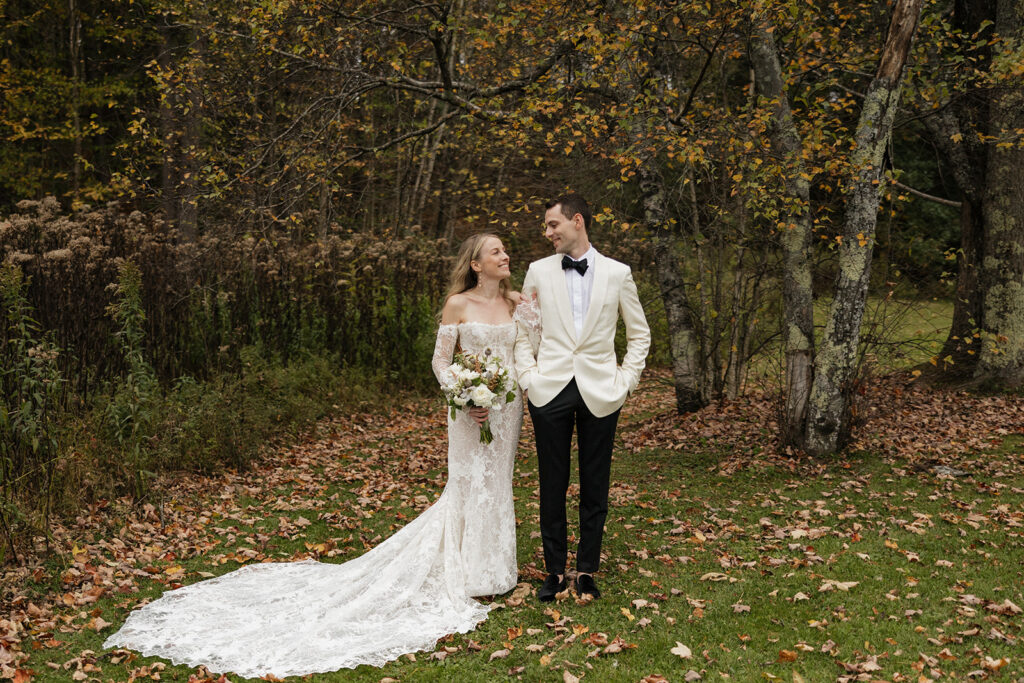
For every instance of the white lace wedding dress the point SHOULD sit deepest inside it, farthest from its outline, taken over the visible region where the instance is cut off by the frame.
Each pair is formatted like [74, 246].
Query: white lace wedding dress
[290, 619]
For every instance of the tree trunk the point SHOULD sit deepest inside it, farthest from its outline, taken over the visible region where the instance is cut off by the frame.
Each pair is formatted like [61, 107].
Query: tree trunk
[397, 214]
[681, 335]
[735, 361]
[795, 238]
[954, 130]
[1002, 272]
[959, 355]
[704, 341]
[323, 216]
[428, 173]
[836, 362]
[75, 48]
[421, 190]
[188, 212]
[168, 136]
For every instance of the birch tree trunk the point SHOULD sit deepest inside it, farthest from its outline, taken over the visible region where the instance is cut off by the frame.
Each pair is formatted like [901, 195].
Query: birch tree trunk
[836, 362]
[795, 239]
[421, 191]
[1002, 267]
[682, 337]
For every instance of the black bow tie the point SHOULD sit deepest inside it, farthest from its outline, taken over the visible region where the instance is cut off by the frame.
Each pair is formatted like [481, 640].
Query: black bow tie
[580, 266]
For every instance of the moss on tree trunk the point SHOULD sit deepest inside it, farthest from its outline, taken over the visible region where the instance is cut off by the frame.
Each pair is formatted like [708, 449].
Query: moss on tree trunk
[1001, 364]
[681, 334]
[828, 418]
[797, 294]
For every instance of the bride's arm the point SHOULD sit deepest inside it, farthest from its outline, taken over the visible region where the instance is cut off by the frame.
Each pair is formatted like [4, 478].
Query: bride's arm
[527, 317]
[447, 336]
[527, 332]
[444, 349]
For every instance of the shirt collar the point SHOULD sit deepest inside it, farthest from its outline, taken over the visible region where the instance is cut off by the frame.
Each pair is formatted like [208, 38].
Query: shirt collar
[590, 255]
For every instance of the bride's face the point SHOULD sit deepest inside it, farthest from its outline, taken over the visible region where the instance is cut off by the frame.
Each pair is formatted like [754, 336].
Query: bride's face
[493, 262]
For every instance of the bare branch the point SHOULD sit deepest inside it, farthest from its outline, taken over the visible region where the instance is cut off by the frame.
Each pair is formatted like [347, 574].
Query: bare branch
[678, 118]
[925, 195]
[363, 151]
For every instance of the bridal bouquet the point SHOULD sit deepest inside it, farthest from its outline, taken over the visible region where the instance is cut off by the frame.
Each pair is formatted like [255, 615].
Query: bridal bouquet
[481, 381]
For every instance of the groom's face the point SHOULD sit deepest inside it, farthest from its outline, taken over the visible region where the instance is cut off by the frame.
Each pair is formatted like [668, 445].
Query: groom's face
[566, 234]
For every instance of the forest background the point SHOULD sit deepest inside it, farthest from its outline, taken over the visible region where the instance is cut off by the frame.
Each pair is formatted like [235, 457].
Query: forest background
[220, 220]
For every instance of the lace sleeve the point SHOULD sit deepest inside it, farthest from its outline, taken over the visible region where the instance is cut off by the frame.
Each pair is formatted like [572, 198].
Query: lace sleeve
[527, 316]
[444, 350]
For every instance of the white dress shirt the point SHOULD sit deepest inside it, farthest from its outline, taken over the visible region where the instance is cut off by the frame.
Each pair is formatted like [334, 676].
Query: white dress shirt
[580, 287]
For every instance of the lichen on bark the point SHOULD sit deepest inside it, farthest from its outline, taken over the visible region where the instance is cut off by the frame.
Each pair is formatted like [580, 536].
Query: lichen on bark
[836, 363]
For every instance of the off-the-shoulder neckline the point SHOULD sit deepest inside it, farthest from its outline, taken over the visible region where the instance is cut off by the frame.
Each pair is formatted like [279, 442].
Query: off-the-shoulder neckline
[474, 322]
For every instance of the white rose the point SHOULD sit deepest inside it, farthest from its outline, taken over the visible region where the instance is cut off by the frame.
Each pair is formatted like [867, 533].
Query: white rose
[468, 376]
[481, 395]
[460, 401]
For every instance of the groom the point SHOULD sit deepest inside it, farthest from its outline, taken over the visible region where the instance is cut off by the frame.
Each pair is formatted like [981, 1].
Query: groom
[572, 379]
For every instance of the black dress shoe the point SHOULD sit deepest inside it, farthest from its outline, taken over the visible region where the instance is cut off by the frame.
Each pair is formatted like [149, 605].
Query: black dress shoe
[551, 586]
[585, 586]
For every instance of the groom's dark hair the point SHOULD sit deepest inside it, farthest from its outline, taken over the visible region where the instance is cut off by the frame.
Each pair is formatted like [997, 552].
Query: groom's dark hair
[572, 204]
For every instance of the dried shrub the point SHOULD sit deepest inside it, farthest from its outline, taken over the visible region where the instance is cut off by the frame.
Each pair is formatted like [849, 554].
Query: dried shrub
[370, 299]
[125, 349]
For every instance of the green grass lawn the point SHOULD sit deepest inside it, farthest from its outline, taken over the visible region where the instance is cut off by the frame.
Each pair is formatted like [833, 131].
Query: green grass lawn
[852, 567]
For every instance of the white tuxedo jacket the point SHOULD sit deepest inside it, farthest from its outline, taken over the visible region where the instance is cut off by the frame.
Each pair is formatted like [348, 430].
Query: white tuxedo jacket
[546, 369]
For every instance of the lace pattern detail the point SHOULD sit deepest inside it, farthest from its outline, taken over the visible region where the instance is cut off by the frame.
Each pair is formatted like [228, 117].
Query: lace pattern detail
[527, 316]
[292, 619]
[444, 350]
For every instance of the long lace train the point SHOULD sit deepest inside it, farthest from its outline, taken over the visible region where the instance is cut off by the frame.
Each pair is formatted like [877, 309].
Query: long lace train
[307, 617]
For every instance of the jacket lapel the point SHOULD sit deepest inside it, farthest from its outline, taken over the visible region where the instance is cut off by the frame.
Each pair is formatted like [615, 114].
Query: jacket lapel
[596, 296]
[557, 280]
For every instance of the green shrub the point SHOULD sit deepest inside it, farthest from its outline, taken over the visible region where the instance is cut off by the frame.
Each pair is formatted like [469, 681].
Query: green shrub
[31, 389]
[130, 411]
[224, 421]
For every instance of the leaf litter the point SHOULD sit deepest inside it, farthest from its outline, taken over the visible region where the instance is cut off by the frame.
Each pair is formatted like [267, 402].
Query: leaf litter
[361, 467]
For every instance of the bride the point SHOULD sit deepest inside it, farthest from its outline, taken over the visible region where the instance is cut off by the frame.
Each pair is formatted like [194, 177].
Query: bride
[292, 619]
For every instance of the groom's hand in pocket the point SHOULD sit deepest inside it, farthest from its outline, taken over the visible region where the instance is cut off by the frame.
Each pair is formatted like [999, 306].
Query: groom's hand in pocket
[479, 414]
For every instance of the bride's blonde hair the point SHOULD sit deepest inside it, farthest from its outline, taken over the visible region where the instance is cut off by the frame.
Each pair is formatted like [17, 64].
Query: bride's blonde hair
[463, 278]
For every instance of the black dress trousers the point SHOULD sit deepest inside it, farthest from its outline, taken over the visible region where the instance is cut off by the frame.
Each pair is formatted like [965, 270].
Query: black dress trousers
[553, 425]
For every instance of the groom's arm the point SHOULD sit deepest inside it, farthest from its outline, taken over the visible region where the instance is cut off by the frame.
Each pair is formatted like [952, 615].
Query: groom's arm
[638, 334]
[525, 354]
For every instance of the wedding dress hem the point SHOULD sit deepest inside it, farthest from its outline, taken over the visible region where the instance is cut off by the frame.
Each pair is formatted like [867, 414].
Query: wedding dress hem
[415, 587]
